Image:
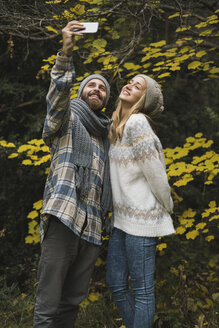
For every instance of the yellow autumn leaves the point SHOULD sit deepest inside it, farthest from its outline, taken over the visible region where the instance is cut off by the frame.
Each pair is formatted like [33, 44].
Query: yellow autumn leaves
[184, 167]
[156, 59]
[30, 149]
[182, 164]
[33, 236]
[182, 172]
[173, 59]
[199, 223]
[6, 144]
[201, 168]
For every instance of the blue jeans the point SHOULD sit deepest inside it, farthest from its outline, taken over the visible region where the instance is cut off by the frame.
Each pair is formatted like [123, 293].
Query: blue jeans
[134, 257]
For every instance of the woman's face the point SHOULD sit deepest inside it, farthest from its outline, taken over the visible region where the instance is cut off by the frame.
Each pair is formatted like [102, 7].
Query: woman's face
[133, 91]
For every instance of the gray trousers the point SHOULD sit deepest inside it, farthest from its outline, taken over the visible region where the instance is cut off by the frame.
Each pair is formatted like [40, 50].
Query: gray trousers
[64, 272]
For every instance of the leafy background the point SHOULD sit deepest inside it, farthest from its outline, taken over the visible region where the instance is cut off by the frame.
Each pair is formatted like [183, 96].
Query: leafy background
[175, 42]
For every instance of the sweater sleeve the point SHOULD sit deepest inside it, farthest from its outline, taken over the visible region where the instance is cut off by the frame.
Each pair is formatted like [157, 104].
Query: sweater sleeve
[58, 97]
[147, 151]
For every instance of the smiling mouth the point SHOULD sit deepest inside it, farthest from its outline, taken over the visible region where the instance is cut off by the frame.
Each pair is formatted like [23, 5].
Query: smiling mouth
[95, 96]
[125, 92]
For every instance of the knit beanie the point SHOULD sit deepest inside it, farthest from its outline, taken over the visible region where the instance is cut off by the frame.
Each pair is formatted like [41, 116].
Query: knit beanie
[153, 98]
[91, 77]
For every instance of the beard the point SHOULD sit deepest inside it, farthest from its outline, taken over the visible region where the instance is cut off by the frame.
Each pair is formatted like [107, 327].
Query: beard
[96, 104]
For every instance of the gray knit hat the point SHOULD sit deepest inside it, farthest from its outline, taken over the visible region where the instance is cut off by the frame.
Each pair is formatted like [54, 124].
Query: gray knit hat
[91, 77]
[153, 98]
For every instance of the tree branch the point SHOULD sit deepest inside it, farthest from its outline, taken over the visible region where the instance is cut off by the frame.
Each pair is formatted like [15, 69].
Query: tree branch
[25, 104]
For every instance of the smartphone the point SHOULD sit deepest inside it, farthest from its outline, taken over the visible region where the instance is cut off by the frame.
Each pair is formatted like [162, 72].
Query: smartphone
[90, 27]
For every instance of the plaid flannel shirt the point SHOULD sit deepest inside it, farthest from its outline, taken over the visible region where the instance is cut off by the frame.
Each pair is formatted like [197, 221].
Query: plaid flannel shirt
[81, 214]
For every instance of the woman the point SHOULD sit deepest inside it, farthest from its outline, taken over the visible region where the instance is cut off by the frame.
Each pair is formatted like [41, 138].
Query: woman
[141, 198]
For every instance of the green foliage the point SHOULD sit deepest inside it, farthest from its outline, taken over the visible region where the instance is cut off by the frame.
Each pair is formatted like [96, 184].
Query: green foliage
[15, 307]
[186, 285]
[101, 313]
[189, 164]
[176, 43]
[186, 294]
[190, 47]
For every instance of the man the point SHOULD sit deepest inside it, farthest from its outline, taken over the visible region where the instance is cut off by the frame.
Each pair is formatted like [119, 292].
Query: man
[77, 194]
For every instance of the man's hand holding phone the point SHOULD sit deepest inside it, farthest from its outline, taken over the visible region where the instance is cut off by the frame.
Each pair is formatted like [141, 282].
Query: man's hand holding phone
[75, 28]
[68, 35]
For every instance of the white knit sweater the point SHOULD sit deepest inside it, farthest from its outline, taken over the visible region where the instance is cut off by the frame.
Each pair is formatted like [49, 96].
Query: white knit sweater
[141, 193]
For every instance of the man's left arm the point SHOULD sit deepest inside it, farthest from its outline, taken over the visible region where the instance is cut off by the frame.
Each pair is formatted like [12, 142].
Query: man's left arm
[62, 79]
[58, 97]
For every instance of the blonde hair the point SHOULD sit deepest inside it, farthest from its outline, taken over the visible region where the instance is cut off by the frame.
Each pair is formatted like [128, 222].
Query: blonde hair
[117, 129]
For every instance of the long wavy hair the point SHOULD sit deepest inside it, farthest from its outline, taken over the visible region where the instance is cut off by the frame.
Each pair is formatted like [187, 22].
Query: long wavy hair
[116, 128]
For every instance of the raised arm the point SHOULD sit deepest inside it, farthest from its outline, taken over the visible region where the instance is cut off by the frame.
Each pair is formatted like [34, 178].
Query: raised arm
[62, 80]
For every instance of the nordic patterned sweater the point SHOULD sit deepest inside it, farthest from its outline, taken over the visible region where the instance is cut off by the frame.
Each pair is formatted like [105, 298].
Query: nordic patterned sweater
[141, 193]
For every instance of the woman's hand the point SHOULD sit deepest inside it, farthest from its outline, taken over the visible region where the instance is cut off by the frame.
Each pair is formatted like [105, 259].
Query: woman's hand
[68, 35]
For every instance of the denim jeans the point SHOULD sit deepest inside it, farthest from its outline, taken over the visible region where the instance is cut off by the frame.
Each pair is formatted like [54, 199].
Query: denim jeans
[134, 257]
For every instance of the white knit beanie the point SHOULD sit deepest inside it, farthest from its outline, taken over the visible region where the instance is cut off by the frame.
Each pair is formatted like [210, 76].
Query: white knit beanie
[91, 77]
[153, 98]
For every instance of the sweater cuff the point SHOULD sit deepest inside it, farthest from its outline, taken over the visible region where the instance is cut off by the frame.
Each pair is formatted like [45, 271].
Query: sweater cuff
[64, 63]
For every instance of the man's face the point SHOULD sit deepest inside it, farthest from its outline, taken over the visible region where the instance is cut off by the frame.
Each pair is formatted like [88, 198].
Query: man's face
[94, 93]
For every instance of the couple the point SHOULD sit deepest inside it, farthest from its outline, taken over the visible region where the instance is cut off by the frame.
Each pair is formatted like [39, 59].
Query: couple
[78, 195]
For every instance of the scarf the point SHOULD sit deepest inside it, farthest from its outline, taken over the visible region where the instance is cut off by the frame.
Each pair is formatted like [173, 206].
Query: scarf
[85, 124]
